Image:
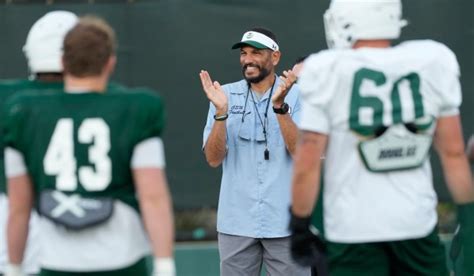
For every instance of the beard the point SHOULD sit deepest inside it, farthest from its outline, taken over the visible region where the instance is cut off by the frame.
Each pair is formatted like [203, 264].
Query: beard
[264, 72]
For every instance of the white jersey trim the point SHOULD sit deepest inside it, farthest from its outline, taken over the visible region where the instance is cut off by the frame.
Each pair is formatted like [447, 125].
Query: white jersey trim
[149, 154]
[449, 112]
[14, 163]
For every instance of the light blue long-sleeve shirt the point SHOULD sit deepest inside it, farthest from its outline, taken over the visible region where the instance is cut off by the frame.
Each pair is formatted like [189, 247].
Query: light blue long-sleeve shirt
[255, 193]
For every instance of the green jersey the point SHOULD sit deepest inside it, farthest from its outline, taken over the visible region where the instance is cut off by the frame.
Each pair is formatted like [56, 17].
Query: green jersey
[83, 142]
[11, 87]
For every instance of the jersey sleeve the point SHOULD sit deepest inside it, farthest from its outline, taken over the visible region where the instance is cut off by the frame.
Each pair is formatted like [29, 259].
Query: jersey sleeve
[151, 120]
[316, 87]
[8, 90]
[12, 121]
[444, 74]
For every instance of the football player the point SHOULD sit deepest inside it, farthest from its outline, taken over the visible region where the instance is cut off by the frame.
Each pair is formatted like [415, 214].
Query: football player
[91, 161]
[374, 110]
[43, 50]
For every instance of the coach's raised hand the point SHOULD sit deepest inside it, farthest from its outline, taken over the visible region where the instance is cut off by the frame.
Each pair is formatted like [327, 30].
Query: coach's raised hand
[287, 80]
[214, 93]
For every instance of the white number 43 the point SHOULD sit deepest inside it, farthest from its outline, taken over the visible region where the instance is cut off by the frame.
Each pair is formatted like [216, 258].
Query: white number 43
[61, 162]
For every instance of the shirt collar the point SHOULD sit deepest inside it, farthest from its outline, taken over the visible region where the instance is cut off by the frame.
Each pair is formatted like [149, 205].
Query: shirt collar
[266, 95]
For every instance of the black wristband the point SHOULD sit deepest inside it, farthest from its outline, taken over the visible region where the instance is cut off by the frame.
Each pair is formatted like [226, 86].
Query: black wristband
[283, 109]
[221, 117]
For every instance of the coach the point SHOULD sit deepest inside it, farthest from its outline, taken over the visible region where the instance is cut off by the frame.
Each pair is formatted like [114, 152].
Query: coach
[251, 131]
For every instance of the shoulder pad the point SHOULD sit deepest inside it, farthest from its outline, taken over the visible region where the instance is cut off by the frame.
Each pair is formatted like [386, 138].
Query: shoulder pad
[323, 59]
[437, 53]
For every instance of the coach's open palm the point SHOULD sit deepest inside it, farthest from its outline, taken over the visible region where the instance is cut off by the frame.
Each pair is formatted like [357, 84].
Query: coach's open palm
[287, 80]
[214, 92]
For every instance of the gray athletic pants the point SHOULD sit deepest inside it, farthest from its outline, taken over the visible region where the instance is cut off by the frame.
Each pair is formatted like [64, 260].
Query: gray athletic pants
[244, 256]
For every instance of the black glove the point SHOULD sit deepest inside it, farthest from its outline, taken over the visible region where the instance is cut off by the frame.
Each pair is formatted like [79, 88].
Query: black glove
[307, 247]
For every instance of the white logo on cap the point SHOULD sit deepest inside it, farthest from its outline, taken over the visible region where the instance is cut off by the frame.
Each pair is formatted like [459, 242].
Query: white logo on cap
[261, 39]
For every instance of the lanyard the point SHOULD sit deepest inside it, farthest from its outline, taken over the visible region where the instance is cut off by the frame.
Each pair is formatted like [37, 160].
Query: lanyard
[264, 122]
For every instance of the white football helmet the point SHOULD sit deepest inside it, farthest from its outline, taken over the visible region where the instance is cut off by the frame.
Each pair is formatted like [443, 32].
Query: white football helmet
[347, 21]
[44, 44]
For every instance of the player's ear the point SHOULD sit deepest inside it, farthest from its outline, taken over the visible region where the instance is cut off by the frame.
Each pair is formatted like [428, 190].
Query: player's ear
[110, 65]
[62, 63]
[276, 57]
